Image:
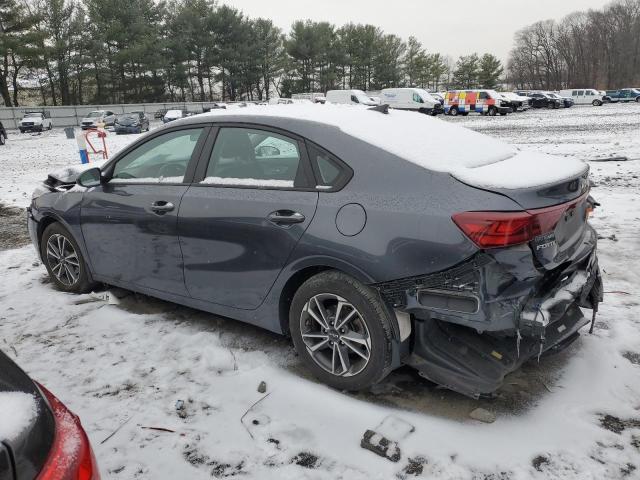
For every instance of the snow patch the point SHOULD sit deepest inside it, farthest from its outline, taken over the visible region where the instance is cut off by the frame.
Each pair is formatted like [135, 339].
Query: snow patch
[17, 411]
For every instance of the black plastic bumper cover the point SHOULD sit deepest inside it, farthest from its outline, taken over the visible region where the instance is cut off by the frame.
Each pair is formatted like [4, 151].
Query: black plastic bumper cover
[464, 361]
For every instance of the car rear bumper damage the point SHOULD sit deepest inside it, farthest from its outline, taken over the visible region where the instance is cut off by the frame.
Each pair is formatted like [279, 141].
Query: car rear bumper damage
[480, 320]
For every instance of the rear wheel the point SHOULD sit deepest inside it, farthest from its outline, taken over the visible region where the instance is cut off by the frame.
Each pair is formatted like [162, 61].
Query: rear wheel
[596, 103]
[63, 260]
[341, 330]
[2, 138]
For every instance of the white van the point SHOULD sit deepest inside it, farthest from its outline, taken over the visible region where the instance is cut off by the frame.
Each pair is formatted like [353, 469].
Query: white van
[349, 97]
[415, 99]
[584, 96]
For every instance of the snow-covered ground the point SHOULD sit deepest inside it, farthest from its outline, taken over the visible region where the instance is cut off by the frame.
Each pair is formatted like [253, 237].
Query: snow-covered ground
[166, 392]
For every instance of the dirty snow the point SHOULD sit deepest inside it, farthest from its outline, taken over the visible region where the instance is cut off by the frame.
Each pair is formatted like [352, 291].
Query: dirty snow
[168, 392]
[17, 411]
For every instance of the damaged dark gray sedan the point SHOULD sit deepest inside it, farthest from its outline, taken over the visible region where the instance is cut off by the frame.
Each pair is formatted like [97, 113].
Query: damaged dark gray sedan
[373, 239]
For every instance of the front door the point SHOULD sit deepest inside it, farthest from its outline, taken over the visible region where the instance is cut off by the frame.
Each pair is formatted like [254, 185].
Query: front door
[240, 223]
[130, 222]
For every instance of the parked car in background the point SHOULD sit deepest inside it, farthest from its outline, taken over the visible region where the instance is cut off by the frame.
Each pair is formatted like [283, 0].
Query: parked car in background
[349, 97]
[35, 122]
[484, 102]
[314, 97]
[132, 122]
[105, 117]
[172, 115]
[3, 134]
[565, 102]
[624, 95]
[159, 114]
[585, 96]
[414, 99]
[39, 437]
[516, 102]
[213, 106]
[438, 96]
[324, 223]
[544, 100]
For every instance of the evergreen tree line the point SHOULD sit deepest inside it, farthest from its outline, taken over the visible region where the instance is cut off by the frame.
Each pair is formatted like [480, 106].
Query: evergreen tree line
[125, 51]
[597, 48]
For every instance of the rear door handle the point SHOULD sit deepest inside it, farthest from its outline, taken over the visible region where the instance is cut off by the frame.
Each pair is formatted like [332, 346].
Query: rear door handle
[161, 207]
[285, 217]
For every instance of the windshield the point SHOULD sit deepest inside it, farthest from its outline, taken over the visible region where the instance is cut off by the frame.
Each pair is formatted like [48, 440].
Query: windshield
[554, 95]
[33, 115]
[426, 96]
[362, 97]
[94, 115]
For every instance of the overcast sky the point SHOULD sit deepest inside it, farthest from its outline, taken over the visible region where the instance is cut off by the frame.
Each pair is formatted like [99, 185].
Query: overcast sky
[454, 27]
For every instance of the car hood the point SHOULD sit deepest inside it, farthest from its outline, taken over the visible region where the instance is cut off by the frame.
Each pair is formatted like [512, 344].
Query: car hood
[126, 121]
[91, 119]
[31, 120]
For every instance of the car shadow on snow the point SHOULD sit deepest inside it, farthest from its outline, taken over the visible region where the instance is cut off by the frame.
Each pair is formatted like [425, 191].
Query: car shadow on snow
[403, 389]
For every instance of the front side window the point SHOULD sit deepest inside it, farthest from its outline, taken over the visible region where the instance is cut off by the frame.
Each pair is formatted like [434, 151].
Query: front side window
[253, 158]
[354, 99]
[417, 98]
[161, 159]
[483, 96]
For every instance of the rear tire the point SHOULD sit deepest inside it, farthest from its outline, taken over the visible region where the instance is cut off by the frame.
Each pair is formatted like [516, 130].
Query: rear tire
[596, 103]
[64, 261]
[2, 138]
[342, 331]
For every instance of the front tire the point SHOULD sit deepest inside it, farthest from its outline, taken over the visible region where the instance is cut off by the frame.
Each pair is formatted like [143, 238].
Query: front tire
[342, 331]
[64, 261]
[453, 111]
[492, 111]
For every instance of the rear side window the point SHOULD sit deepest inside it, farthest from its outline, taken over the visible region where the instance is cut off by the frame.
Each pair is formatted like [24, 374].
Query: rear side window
[330, 172]
[253, 158]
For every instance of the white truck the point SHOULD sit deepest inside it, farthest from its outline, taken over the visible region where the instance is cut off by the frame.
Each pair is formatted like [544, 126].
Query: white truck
[415, 99]
[584, 96]
[35, 122]
[349, 97]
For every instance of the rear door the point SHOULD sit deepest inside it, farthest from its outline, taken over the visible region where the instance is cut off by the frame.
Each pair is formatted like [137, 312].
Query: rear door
[130, 222]
[252, 199]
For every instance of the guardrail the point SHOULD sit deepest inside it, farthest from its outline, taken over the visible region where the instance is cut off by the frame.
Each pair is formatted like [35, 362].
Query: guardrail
[70, 116]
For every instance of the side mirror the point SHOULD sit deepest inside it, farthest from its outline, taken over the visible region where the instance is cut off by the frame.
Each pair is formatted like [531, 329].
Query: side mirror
[267, 151]
[90, 178]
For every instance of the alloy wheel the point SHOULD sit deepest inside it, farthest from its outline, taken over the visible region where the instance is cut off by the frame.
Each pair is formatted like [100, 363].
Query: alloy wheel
[335, 335]
[63, 259]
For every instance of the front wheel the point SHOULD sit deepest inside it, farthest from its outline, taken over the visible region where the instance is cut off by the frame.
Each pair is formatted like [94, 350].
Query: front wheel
[342, 331]
[492, 111]
[64, 261]
[453, 111]
[2, 138]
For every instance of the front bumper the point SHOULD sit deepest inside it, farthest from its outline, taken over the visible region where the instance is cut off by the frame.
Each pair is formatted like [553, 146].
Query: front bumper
[30, 128]
[32, 227]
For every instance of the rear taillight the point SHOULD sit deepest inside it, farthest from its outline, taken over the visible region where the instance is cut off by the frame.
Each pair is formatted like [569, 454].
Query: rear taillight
[70, 457]
[503, 229]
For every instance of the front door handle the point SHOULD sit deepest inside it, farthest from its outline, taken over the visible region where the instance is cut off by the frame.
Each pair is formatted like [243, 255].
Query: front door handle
[285, 217]
[161, 207]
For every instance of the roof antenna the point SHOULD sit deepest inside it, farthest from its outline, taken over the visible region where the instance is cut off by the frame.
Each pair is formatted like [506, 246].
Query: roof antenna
[380, 108]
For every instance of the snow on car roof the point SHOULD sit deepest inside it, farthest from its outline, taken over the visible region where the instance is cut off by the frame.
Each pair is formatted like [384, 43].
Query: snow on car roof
[17, 411]
[431, 143]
